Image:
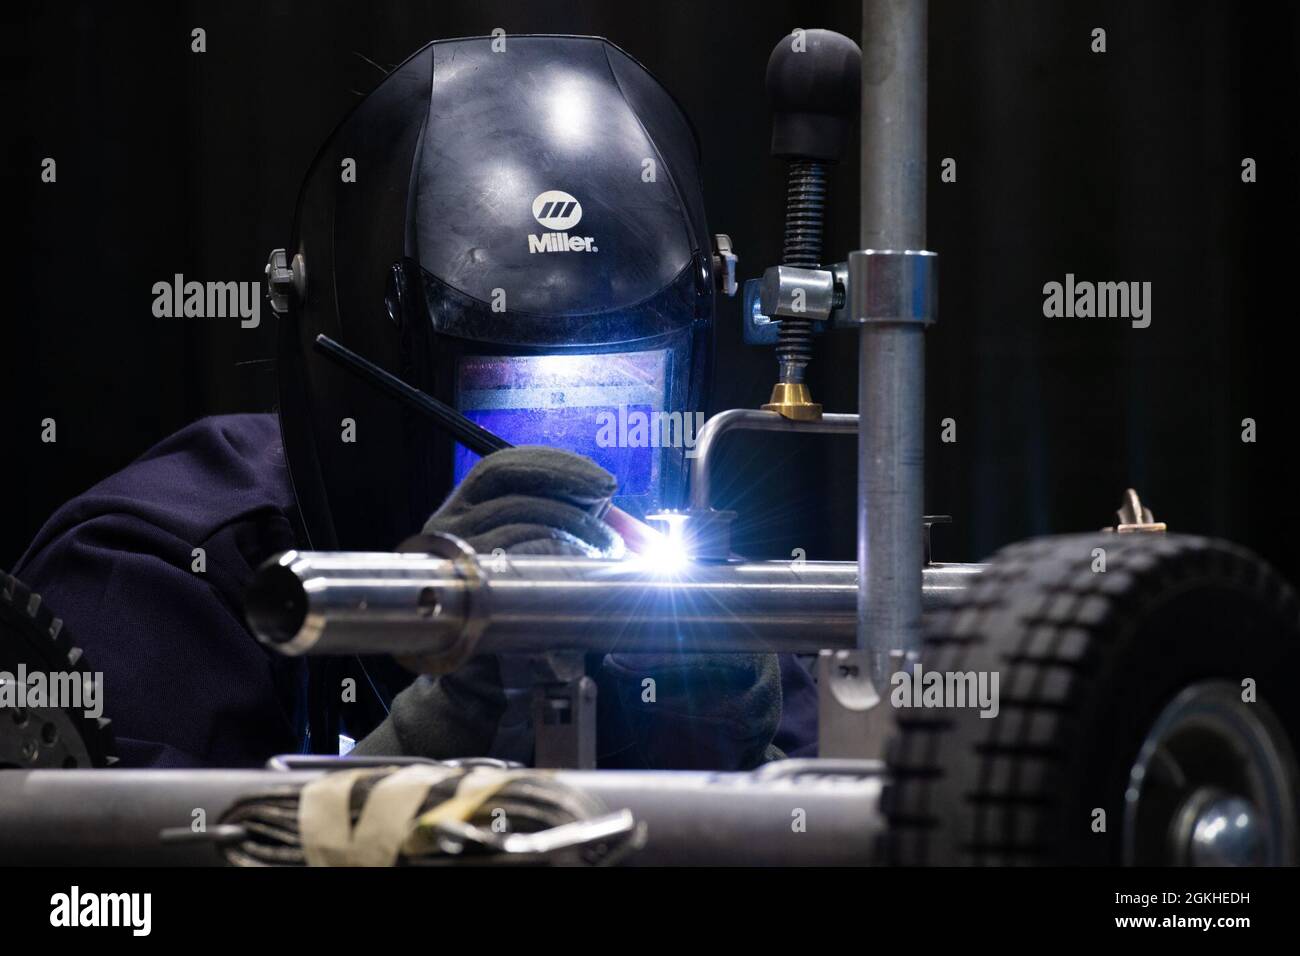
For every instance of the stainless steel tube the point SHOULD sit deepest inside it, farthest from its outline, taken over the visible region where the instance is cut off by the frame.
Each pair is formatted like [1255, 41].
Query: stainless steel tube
[749, 419]
[891, 390]
[418, 604]
[893, 123]
[61, 817]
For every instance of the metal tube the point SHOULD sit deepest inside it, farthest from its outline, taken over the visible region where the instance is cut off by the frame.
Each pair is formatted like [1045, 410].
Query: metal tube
[893, 123]
[891, 389]
[749, 419]
[57, 817]
[419, 604]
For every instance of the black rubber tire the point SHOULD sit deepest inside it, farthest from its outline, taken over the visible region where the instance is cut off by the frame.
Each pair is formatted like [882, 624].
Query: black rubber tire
[1086, 661]
[30, 634]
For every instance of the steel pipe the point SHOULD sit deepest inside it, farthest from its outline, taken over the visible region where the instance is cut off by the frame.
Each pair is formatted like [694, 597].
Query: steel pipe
[420, 604]
[891, 365]
[115, 817]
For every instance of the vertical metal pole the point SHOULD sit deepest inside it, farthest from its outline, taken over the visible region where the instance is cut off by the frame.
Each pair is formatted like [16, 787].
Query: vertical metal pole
[891, 362]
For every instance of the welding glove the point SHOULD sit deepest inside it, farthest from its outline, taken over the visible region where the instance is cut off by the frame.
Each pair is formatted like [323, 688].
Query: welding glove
[526, 500]
[532, 500]
[688, 711]
[712, 711]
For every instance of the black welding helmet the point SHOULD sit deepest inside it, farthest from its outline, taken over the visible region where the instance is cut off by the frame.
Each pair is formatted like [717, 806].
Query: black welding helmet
[514, 225]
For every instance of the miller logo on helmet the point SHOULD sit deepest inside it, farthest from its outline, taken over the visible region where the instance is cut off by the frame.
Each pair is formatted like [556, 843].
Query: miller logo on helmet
[556, 209]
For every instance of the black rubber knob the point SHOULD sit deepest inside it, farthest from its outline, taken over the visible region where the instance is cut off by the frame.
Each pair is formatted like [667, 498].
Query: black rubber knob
[814, 85]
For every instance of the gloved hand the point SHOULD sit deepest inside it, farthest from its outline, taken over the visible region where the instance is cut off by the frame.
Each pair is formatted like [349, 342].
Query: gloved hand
[709, 711]
[532, 500]
[702, 711]
[526, 500]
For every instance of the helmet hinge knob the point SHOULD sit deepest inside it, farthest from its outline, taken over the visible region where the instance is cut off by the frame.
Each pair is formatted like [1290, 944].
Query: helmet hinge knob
[286, 281]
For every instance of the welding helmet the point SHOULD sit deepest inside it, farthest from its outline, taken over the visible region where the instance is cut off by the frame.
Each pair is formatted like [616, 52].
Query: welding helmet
[515, 226]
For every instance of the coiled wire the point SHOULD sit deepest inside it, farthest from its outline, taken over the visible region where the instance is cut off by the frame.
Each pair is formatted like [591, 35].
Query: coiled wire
[269, 818]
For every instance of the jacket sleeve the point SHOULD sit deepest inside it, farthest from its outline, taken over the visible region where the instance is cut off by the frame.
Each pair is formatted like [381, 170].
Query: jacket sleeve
[185, 683]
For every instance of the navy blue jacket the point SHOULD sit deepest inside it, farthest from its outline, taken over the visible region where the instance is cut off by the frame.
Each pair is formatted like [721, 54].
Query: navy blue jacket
[185, 682]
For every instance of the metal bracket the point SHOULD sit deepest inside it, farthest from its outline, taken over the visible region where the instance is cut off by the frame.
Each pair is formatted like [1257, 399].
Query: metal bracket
[564, 714]
[853, 719]
[850, 710]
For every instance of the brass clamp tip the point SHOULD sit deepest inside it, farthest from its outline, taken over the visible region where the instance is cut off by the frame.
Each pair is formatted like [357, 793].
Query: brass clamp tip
[793, 400]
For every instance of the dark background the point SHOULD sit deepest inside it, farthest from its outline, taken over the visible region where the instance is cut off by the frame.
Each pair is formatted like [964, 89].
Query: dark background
[1119, 166]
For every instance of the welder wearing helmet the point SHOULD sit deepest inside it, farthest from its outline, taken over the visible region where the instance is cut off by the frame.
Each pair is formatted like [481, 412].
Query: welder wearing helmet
[517, 229]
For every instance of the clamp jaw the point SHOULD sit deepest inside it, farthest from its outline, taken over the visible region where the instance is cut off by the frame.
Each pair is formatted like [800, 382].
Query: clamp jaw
[874, 285]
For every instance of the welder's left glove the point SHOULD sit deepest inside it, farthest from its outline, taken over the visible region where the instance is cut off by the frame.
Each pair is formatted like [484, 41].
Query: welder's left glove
[688, 711]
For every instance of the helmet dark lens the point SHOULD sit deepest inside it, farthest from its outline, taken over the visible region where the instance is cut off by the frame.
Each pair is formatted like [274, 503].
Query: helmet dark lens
[610, 407]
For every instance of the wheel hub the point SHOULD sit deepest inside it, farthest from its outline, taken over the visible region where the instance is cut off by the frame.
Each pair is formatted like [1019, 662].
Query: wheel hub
[1214, 784]
[1218, 829]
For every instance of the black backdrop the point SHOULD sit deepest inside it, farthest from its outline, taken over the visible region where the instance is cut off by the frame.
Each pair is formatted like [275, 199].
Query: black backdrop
[1116, 166]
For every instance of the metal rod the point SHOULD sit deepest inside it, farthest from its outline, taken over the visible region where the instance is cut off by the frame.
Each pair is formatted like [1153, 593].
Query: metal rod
[891, 389]
[57, 817]
[419, 604]
[749, 419]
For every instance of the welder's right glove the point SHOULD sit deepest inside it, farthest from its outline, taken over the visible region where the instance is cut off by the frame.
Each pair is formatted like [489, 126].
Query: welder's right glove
[532, 500]
[526, 500]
